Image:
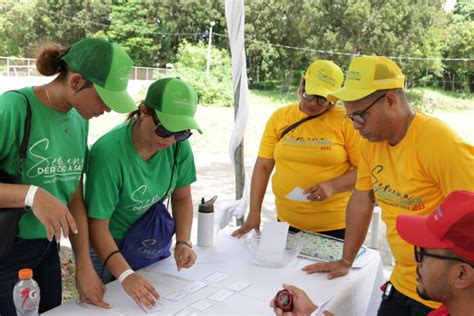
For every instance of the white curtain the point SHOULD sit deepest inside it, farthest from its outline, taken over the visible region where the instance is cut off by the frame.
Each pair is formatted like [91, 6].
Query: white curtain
[234, 11]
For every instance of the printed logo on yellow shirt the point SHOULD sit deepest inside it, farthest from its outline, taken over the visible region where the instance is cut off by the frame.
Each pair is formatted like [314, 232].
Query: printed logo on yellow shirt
[387, 195]
[313, 142]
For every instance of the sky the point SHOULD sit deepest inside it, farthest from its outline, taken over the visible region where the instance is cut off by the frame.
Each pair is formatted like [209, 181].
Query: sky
[449, 5]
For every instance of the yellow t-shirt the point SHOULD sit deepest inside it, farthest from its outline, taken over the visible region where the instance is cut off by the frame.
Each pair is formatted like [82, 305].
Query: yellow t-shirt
[414, 177]
[318, 150]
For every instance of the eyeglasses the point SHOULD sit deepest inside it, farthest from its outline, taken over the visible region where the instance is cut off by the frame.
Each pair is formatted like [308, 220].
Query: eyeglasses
[420, 252]
[319, 99]
[161, 131]
[358, 116]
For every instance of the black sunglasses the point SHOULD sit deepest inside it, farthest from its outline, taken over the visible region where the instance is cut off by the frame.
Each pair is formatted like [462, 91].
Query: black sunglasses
[420, 252]
[358, 116]
[161, 131]
[319, 99]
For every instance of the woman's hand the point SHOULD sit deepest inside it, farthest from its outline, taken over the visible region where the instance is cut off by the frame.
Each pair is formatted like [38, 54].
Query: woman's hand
[185, 257]
[252, 222]
[90, 287]
[140, 290]
[53, 214]
[320, 191]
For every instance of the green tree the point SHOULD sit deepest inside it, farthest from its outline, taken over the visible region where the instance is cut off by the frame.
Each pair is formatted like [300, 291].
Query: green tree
[191, 66]
[459, 43]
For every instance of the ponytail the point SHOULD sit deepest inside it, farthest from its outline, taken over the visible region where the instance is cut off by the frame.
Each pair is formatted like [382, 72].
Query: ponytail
[49, 62]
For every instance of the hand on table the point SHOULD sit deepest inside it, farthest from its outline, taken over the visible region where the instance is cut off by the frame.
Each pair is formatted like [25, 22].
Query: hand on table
[184, 256]
[252, 222]
[302, 304]
[320, 191]
[90, 287]
[335, 268]
[140, 290]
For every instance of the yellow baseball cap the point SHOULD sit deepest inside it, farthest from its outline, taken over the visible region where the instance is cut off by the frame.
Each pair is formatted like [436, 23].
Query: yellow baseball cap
[323, 77]
[366, 75]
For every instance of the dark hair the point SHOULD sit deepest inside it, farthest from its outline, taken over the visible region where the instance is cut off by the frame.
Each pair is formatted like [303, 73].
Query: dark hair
[136, 113]
[49, 62]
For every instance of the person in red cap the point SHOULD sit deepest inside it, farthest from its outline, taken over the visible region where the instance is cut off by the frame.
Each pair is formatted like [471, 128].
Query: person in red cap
[444, 252]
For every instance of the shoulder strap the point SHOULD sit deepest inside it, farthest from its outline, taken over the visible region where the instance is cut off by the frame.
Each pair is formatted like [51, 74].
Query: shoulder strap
[175, 153]
[296, 124]
[26, 133]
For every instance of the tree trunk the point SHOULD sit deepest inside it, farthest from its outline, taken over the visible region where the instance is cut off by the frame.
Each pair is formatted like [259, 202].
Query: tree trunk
[287, 78]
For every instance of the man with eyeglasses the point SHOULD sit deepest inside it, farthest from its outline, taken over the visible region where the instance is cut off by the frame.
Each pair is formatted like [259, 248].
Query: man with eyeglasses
[409, 163]
[444, 252]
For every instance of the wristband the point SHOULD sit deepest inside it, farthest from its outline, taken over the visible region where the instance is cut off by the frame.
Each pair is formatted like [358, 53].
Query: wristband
[347, 262]
[186, 242]
[30, 195]
[125, 274]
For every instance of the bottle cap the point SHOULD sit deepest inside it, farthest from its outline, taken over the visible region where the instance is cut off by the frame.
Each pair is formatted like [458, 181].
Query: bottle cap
[207, 206]
[25, 274]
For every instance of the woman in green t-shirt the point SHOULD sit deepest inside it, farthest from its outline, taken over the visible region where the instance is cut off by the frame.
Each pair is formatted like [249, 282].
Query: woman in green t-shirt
[91, 76]
[132, 168]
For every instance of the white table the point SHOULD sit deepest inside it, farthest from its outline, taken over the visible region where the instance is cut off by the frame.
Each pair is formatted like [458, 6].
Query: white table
[357, 293]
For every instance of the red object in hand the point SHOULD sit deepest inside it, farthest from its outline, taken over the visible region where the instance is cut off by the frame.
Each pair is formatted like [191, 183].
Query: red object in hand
[284, 300]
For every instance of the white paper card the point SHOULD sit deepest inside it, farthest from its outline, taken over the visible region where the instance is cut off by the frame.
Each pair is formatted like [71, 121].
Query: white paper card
[175, 296]
[153, 309]
[322, 308]
[298, 195]
[221, 295]
[186, 312]
[238, 286]
[194, 287]
[201, 305]
[274, 236]
[217, 277]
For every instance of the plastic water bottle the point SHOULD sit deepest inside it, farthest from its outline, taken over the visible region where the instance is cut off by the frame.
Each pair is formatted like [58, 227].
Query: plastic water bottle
[26, 294]
[206, 223]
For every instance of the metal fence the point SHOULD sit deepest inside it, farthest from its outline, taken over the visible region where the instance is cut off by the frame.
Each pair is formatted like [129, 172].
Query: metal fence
[17, 67]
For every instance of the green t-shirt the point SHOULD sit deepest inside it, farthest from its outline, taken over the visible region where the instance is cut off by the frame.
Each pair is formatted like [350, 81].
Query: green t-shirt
[56, 152]
[121, 186]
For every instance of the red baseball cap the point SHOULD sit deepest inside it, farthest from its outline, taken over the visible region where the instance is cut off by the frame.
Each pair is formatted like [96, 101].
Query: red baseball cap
[450, 226]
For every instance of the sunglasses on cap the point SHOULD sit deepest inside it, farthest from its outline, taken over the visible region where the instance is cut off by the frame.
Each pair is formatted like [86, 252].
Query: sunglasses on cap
[161, 131]
[319, 99]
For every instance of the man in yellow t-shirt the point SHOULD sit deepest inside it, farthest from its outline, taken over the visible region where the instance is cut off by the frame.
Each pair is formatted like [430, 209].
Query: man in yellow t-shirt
[410, 162]
[319, 156]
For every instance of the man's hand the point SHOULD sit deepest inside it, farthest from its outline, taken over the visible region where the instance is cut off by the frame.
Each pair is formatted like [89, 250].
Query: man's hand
[335, 268]
[184, 256]
[320, 191]
[90, 288]
[302, 304]
[252, 222]
[140, 290]
[53, 214]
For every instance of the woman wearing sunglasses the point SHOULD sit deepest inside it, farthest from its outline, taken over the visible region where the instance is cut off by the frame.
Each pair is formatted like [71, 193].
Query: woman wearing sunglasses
[313, 147]
[132, 169]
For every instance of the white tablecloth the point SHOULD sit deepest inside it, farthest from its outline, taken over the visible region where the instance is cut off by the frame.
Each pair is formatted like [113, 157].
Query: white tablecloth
[357, 293]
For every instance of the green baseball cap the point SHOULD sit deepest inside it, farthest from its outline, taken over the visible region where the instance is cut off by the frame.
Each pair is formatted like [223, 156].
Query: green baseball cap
[107, 66]
[174, 102]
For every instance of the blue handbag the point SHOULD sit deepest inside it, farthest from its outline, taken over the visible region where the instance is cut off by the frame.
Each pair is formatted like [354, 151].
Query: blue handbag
[149, 239]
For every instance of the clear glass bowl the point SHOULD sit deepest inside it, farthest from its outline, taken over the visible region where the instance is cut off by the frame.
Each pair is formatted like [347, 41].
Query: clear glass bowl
[271, 259]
